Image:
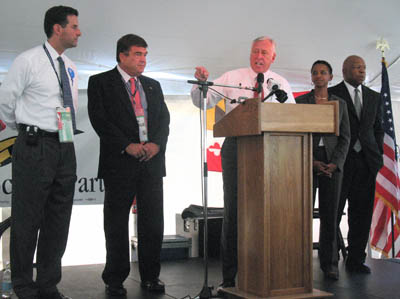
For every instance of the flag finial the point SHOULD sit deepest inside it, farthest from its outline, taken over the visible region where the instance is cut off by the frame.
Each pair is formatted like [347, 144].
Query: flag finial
[382, 45]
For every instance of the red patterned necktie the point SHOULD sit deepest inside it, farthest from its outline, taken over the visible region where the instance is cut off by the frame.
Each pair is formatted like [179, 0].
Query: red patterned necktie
[256, 93]
[135, 97]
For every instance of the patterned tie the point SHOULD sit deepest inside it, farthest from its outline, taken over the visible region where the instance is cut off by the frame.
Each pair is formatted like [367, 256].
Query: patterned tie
[256, 93]
[66, 89]
[136, 103]
[358, 107]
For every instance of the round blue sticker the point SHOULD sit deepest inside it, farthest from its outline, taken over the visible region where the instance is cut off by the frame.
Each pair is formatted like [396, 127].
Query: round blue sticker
[71, 74]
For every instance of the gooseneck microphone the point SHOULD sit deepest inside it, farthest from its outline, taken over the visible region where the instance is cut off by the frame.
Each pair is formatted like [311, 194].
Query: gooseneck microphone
[260, 81]
[198, 82]
[272, 85]
[274, 88]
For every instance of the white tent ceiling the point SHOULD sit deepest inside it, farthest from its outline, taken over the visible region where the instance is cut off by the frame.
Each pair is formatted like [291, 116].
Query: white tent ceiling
[217, 34]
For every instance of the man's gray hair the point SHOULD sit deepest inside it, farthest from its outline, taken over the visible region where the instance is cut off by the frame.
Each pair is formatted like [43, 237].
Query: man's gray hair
[261, 38]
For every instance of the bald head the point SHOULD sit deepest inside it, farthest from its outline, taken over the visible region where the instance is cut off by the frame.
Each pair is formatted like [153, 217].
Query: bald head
[354, 70]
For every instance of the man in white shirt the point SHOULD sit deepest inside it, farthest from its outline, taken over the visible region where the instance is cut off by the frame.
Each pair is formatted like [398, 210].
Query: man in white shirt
[262, 55]
[40, 81]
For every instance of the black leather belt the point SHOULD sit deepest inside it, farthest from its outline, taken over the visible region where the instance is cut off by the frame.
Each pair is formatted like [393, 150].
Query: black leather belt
[25, 128]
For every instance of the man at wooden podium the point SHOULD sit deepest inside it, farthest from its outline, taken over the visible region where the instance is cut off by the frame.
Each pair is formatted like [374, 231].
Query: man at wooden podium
[262, 55]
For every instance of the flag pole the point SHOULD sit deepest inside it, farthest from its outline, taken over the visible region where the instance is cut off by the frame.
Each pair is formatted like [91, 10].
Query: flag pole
[382, 45]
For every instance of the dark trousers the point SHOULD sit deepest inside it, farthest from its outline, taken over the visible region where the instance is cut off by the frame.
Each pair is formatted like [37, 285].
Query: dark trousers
[43, 178]
[358, 188]
[119, 194]
[328, 196]
[229, 224]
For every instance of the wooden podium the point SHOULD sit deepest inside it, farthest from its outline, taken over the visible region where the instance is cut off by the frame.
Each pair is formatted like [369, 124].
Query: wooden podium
[275, 195]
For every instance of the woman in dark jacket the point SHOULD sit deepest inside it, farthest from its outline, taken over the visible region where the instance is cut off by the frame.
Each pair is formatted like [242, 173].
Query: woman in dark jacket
[329, 154]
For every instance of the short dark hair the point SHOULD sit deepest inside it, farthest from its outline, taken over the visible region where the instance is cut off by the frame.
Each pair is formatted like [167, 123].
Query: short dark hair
[125, 43]
[326, 63]
[57, 15]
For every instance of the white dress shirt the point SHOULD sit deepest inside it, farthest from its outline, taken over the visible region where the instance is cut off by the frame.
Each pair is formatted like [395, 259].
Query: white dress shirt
[126, 77]
[245, 77]
[30, 93]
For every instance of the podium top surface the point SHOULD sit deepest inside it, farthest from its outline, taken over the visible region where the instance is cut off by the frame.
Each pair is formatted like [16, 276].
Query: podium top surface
[253, 117]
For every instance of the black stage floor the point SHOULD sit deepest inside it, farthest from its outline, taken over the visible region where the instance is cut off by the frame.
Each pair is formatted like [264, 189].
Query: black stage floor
[184, 278]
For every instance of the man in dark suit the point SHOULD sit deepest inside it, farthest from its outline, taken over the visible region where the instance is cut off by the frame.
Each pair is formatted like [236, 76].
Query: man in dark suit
[128, 112]
[363, 160]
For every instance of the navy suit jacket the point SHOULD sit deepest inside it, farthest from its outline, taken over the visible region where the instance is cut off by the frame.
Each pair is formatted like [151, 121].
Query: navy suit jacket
[369, 129]
[113, 118]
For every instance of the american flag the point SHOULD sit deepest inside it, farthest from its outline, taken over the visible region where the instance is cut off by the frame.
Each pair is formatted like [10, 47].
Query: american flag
[385, 227]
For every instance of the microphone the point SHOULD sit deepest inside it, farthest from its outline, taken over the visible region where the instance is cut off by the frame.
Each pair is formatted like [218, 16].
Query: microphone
[281, 96]
[260, 81]
[204, 83]
[274, 88]
[272, 85]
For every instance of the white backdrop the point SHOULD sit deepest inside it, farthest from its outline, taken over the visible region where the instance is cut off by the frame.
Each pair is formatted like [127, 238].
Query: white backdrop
[181, 186]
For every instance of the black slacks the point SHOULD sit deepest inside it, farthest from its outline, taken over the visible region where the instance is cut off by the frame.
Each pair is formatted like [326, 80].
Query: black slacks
[229, 224]
[43, 178]
[119, 194]
[358, 188]
[328, 196]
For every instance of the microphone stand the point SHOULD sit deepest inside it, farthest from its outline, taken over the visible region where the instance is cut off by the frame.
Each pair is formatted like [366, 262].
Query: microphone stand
[206, 290]
[209, 83]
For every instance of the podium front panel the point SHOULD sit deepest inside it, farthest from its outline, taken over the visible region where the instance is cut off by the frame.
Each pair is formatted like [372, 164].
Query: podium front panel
[274, 214]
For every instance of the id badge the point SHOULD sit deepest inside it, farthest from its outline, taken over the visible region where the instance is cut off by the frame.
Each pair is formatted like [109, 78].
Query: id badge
[65, 129]
[142, 128]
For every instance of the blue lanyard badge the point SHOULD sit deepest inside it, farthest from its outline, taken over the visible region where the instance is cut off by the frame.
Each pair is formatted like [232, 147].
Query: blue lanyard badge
[71, 75]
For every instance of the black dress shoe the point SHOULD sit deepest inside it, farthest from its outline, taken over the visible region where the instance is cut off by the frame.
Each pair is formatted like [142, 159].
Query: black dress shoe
[225, 284]
[357, 268]
[155, 286]
[334, 275]
[115, 290]
[54, 295]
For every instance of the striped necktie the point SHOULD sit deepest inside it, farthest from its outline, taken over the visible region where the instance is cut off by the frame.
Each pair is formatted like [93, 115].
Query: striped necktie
[135, 98]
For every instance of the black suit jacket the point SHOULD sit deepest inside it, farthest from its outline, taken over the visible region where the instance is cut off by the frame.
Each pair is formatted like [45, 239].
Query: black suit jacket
[113, 118]
[336, 147]
[369, 129]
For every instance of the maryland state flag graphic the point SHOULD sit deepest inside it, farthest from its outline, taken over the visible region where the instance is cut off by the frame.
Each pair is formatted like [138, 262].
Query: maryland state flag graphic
[6, 147]
[6, 150]
[214, 150]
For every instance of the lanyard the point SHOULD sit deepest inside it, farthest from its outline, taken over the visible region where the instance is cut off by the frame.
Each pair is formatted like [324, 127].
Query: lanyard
[128, 88]
[54, 68]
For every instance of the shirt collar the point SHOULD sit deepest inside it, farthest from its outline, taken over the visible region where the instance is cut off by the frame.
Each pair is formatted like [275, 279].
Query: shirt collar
[253, 74]
[124, 74]
[351, 87]
[53, 53]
